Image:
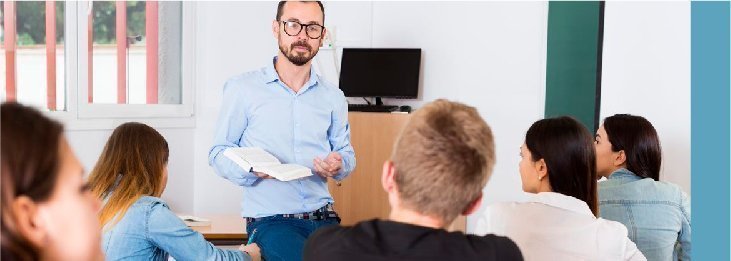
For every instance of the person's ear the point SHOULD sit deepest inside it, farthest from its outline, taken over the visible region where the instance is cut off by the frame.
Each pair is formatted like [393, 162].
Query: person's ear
[387, 176]
[473, 206]
[620, 158]
[322, 37]
[275, 29]
[541, 169]
[28, 221]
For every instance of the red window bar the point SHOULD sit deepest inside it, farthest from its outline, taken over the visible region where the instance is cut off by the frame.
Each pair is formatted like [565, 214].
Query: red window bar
[151, 28]
[10, 52]
[121, 52]
[9, 9]
[90, 60]
[51, 55]
[151, 43]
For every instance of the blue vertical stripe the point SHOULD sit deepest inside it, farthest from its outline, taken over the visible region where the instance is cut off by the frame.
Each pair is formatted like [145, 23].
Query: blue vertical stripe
[710, 129]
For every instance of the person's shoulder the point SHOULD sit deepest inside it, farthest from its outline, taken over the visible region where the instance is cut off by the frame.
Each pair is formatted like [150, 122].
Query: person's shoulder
[324, 242]
[330, 88]
[506, 208]
[611, 229]
[344, 236]
[150, 206]
[662, 191]
[499, 247]
[246, 80]
[330, 236]
[500, 211]
[257, 74]
[329, 231]
[142, 210]
[614, 236]
[670, 188]
[148, 202]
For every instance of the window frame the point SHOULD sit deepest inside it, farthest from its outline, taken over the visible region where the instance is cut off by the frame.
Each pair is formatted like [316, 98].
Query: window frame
[81, 115]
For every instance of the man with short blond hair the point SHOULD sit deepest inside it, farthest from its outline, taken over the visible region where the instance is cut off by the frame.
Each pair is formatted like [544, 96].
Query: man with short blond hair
[440, 163]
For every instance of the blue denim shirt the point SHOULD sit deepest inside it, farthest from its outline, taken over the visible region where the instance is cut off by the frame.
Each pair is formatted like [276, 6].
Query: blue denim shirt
[150, 231]
[656, 214]
[259, 110]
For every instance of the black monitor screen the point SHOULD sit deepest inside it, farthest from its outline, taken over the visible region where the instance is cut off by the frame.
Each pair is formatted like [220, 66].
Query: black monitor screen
[369, 72]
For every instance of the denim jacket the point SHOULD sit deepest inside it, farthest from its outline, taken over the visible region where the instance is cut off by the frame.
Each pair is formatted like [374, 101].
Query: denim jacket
[150, 231]
[656, 214]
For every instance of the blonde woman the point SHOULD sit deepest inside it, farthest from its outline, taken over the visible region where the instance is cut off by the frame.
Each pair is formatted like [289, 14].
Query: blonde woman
[130, 176]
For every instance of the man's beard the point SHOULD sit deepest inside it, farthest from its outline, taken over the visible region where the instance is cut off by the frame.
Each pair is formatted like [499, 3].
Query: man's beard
[296, 57]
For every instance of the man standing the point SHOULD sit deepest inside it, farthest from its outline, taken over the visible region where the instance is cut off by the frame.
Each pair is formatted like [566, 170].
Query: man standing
[438, 168]
[287, 110]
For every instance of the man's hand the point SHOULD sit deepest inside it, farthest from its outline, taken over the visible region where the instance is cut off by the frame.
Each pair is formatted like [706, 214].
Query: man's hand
[253, 251]
[262, 175]
[330, 166]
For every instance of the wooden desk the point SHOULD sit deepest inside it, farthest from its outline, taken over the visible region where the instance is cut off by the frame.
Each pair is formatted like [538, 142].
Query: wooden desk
[224, 230]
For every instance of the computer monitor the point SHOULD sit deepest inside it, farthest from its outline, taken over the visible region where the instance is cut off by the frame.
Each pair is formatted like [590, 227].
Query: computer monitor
[380, 72]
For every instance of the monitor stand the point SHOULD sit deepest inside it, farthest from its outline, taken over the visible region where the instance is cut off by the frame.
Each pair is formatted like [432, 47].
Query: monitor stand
[378, 107]
[379, 102]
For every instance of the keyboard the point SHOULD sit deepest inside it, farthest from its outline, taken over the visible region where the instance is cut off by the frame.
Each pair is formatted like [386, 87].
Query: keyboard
[372, 108]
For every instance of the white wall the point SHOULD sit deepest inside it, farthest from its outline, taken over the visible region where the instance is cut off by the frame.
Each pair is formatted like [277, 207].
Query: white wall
[646, 71]
[499, 70]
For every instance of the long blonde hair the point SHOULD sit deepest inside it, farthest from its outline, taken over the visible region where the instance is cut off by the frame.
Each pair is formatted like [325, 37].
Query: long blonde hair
[131, 166]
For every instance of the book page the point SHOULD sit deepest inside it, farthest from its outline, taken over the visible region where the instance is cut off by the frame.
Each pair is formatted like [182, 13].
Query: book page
[285, 172]
[257, 156]
[247, 158]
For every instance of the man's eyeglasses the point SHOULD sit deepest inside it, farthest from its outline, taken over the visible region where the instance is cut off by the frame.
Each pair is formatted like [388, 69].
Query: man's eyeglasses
[293, 28]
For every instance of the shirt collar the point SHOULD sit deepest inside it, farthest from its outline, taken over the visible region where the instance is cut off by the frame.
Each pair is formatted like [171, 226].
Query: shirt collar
[562, 201]
[623, 174]
[271, 75]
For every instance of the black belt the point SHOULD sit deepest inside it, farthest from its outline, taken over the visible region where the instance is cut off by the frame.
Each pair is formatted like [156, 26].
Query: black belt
[322, 213]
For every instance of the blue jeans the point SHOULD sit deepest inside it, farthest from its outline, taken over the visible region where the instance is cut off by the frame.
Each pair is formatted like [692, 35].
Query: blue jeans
[284, 238]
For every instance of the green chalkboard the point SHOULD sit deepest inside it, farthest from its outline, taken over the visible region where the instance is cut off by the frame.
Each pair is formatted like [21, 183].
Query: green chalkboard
[573, 63]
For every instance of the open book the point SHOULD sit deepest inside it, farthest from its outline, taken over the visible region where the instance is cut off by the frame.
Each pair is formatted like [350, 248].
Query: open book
[256, 159]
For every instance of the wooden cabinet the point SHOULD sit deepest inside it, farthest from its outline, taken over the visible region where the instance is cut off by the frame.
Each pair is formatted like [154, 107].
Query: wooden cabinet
[360, 196]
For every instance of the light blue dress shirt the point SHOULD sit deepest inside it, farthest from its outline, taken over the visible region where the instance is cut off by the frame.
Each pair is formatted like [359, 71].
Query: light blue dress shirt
[656, 214]
[150, 231]
[259, 110]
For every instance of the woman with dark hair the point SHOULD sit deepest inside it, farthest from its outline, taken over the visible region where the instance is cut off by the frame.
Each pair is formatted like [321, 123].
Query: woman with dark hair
[130, 176]
[559, 222]
[656, 213]
[48, 211]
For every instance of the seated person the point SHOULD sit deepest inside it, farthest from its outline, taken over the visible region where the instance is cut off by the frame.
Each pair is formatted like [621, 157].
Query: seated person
[48, 211]
[559, 222]
[628, 154]
[130, 176]
[438, 168]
